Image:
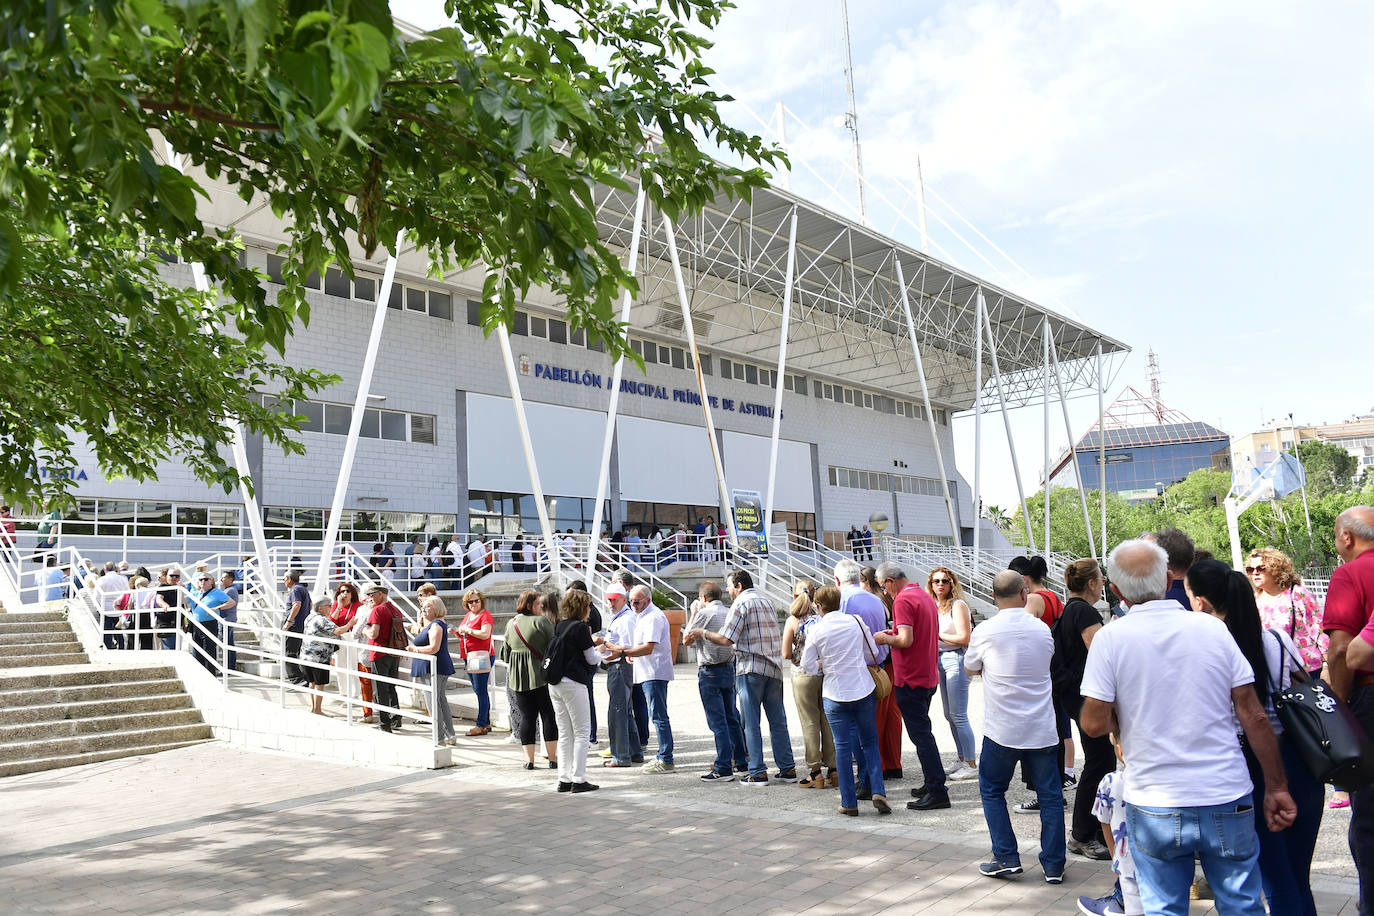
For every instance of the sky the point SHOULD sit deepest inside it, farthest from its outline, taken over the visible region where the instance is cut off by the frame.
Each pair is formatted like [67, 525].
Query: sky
[1187, 176]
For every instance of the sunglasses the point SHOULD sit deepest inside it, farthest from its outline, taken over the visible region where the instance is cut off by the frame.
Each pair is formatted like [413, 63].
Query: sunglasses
[941, 581]
[1251, 570]
[473, 601]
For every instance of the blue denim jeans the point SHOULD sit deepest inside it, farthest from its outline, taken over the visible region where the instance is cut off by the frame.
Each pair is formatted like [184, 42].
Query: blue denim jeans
[639, 707]
[855, 730]
[717, 689]
[761, 695]
[995, 769]
[1164, 842]
[620, 723]
[954, 699]
[914, 702]
[479, 683]
[656, 695]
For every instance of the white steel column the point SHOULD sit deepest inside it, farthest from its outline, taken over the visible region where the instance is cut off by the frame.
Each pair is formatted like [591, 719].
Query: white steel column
[726, 506]
[977, 428]
[1045, 337]
[782, 369]
[1006, 423]
[1073, 454]
[355, 423]
[594, 542]
[236, 444]
[537, 488]
[1102, 452]
[782, 372]
[925, 397]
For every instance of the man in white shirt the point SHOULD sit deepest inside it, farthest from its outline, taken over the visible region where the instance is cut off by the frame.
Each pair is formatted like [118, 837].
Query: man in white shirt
[1168, 680]
[457, 554]
[625, 747]
[477, 558]
[653, 667]
[109, 588]
[1012, 651]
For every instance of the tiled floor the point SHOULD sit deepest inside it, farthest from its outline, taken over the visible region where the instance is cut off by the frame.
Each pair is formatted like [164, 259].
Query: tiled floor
[212, 829]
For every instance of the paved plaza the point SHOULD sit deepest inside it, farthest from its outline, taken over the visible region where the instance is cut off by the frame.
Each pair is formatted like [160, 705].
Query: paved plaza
[215, 829]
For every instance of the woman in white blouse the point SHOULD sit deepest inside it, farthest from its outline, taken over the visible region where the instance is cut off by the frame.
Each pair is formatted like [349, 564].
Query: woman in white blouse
[841, 647]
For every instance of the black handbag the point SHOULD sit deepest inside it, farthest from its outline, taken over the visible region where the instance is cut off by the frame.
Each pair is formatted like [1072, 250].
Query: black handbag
[1323, 730]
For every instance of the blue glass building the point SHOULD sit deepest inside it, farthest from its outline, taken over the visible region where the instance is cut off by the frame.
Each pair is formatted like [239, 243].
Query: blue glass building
[1141, 460]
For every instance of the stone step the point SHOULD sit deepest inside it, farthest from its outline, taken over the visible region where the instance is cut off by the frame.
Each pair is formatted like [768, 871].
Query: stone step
[39, 764]
[43, 661]
[26, 618]
[134, 702]
[87, 691]
[36, 637]
[126, 741]
[66, 646]
[31, 732]
[9, 628]
[18, 680]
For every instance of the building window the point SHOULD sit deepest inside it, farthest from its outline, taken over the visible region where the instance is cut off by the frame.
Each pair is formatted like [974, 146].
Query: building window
[365, 288]
[415, 299]
[440, 305]
[337, 284]
[475, 313]
[539, 327]
[558, 331]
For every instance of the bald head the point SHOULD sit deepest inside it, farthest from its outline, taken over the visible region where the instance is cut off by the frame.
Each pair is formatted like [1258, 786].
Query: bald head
[1009, 589]
[1139, 571]
[1354, 532]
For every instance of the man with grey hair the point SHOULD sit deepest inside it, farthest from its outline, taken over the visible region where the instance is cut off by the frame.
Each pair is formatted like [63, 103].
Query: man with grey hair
[109, 588]
[915, 669]
[1012, 652]
[653, 668]
[1168, 680]
[858, 602]
[1349, 608]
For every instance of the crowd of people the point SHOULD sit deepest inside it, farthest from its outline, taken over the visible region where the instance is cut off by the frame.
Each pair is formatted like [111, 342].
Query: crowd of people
[1171, 688]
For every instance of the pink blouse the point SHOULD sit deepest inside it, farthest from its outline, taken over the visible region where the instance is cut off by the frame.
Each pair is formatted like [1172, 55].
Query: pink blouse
[1297, 613]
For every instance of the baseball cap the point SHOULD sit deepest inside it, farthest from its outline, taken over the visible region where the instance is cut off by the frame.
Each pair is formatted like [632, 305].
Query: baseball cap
[615, 590]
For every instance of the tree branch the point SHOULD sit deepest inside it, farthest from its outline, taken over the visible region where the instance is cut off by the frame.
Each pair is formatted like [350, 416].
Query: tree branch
[192, 110]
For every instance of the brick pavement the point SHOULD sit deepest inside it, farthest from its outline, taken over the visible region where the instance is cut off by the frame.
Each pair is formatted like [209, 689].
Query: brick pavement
[212, 829]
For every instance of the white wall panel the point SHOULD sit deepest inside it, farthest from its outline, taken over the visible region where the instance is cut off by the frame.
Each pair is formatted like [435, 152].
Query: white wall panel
[665, 463]
[565, 446]
[746, 468]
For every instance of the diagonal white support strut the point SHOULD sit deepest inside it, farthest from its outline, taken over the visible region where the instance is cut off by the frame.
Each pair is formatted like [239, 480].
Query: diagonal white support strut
[782, 373]
[355, 423]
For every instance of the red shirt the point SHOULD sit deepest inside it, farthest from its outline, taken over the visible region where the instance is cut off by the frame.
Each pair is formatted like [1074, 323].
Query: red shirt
[1350, 597]
[380, 616]
[475, 621]
[916, 665]
[1054, 605]
[342, 616]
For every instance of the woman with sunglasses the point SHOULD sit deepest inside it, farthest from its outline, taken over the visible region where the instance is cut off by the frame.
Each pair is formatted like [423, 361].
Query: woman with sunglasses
[956, 626]
[474, 647]
[1285, 605]
[345, 613]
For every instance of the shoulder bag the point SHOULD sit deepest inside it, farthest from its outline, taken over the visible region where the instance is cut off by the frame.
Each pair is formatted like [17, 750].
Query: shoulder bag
[882, 684]
[1326, 734]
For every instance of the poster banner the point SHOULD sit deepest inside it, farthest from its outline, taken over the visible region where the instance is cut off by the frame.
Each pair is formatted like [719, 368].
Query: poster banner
[749, 522]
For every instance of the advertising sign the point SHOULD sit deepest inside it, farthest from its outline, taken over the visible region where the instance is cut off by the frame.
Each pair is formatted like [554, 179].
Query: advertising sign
[749, 522]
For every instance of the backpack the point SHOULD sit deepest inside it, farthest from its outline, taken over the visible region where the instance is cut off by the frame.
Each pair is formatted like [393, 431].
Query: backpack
[397, 638]
[555, 663]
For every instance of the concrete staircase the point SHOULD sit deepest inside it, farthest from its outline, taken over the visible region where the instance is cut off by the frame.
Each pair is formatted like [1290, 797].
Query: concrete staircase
[57, 710]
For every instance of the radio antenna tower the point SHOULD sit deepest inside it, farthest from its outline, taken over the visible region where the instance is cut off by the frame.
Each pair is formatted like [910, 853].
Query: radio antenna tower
[851, 117]
[1152, 373]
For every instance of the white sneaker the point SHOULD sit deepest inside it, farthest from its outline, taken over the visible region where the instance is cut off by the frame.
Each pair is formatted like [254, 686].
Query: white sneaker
[963, 772]
[656, 766]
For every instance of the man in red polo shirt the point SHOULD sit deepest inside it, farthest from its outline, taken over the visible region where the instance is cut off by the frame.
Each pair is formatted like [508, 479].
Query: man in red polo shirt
[915, 675]
[1349, 605]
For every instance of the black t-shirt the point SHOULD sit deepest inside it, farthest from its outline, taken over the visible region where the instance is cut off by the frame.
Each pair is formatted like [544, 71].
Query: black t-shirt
[575, 639]
[1070, 655]
[169, 594]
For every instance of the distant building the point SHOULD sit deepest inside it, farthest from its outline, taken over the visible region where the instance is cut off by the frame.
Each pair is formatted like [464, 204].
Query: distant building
[1147, 447]
[1260, 448]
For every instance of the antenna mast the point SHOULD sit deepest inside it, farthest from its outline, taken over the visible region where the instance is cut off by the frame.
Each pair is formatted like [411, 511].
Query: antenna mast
[1152, 373]
[851, 117]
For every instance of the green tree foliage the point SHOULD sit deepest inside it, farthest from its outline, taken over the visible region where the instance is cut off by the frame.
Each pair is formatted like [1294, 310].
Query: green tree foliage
[1330, 468]
[1196, 505]
[479, 142]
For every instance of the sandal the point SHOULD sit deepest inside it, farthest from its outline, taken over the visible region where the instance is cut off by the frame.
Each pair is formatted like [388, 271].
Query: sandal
[477, 730]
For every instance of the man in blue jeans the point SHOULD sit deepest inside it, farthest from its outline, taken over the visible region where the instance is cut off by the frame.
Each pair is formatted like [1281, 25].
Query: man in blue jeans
[653, 668]
[1012, 652]
[752, 630]
[626, 748]
[1168, 680]
[716, 684]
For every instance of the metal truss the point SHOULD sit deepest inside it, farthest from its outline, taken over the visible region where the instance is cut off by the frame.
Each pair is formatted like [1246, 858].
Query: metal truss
[847, 321]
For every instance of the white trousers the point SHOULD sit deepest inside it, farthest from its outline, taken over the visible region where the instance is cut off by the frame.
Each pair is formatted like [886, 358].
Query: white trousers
[572, 712]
